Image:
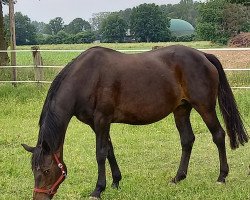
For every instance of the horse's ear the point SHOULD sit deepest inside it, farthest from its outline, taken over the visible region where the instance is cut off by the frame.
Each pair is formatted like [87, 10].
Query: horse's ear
[28, 148]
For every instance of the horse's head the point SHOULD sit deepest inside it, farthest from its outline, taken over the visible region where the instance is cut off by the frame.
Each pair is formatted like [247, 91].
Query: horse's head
[48, 169]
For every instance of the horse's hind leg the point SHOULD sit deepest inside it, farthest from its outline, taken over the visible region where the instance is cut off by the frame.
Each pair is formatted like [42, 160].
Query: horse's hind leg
[210, 118]
[182, 121]
[116, 173]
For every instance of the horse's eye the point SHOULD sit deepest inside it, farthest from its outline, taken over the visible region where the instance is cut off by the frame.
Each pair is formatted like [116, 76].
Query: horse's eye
[46, 172]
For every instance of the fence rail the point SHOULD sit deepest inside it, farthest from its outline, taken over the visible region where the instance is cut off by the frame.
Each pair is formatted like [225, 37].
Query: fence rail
[121, 50]
[61, 66]
[38, 62]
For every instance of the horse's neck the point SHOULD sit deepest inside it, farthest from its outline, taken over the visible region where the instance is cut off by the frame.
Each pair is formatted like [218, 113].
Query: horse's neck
[53, 128]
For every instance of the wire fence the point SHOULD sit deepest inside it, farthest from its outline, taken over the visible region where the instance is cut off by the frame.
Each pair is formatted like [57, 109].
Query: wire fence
[234, 74]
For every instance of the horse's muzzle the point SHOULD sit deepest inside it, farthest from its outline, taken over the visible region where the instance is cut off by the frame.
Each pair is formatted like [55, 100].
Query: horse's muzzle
[41, 196]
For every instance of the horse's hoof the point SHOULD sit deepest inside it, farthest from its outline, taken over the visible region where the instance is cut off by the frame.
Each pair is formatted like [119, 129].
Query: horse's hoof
[173, 181]
[220, 182]
[94, 198]
[115, 186]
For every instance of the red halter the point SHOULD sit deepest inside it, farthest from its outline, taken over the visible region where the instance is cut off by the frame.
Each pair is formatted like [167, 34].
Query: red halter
[53, 189]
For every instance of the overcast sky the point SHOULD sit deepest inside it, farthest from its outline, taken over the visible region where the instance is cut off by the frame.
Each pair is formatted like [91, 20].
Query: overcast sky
[45, 10]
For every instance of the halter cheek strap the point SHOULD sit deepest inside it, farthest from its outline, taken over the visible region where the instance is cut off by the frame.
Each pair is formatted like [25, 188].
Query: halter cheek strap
[53, 189]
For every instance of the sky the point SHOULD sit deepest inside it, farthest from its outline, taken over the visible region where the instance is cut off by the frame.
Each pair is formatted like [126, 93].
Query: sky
[45, 10]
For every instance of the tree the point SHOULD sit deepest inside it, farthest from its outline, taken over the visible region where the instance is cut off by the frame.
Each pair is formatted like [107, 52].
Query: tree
[77, 25]
[47, 29]
[97, 19]
[125, 15]
[236, 18]
[25, 31]
[84, 37]
[219, 20]
[4, 59]
[40, 26]
[207, 22]
[113, 28]
[245, 2]
[56, 25]
[149, 24]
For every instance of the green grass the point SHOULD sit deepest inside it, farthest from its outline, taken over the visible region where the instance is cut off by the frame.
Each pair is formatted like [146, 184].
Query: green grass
[238, 78]
[121, 46]
[148, 155]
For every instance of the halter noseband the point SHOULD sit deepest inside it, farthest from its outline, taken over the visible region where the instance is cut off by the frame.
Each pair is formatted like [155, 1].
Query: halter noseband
[53, 189]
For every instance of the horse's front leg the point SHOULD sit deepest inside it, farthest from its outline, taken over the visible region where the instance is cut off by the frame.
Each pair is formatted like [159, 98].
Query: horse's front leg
[116, 173]
[102, 148]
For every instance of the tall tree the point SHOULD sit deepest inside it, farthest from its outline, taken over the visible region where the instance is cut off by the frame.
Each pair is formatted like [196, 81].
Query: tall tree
[25, 31]
[209, 20]
[77, 25]
[113, 28]
[47, 29]
[125, 15]
[40, 26]
[236, 18]
[56, 25]
[149, 24]
[97, 19]
[4, 58]
[218, 20]
[245, 2]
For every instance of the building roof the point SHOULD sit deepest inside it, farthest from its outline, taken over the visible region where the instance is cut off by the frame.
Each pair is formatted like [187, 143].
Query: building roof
[179, 27]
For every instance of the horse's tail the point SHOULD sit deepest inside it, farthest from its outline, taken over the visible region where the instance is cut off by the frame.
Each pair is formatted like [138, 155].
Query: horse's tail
[234, 125]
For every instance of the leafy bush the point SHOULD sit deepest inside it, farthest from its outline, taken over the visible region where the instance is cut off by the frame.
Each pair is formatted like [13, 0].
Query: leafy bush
[64, 38]
[184, 38]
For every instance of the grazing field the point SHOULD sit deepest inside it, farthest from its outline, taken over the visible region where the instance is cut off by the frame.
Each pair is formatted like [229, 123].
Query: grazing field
[148, 155]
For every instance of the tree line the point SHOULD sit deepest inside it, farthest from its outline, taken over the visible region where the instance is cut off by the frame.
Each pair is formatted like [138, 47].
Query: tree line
[214, 20]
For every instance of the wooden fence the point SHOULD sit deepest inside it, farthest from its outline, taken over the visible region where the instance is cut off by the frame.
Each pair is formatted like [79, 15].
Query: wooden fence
[38, 63]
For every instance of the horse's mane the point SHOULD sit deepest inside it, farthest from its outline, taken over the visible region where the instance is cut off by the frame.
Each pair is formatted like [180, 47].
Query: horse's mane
[50, 133]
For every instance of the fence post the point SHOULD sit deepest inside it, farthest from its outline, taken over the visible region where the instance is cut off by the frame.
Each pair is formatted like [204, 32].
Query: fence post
[13, 41]
[37, 60]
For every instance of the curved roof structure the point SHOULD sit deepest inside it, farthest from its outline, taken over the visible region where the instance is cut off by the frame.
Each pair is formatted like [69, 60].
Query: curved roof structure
[179, 27]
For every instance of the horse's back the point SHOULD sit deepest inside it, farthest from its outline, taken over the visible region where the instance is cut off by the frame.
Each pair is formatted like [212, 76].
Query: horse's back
[142, 88]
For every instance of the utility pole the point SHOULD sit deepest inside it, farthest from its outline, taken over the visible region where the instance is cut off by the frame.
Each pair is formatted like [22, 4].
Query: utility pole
[13, 41]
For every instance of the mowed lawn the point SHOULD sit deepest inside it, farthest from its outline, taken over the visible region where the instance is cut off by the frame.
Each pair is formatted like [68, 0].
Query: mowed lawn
[148, 155]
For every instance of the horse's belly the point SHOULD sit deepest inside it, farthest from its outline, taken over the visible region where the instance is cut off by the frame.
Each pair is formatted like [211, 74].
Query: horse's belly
[137, 119]
[144, 110]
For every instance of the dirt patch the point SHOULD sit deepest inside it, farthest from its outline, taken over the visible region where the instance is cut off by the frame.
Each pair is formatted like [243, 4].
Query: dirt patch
[229, 58]
[233, 59]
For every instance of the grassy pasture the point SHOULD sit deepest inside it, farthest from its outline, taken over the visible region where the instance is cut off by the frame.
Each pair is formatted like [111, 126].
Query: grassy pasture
[148, 155]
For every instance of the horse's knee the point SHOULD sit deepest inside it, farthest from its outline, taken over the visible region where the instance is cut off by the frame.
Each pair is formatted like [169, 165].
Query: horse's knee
[219, 137]
[101, 156]
[187, 143]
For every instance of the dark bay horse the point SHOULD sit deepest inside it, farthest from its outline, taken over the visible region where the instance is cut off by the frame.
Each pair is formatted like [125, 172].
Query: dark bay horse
[103, 86]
